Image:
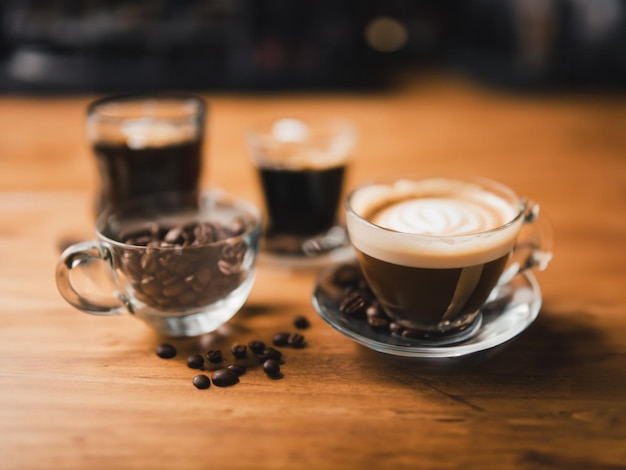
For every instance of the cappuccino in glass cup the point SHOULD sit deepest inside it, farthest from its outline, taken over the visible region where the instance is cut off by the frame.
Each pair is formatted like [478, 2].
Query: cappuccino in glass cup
[433, 249]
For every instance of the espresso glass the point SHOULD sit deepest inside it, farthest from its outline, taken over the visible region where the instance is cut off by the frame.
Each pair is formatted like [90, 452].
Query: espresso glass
[434, 249]
[302, 165]
[146, 144]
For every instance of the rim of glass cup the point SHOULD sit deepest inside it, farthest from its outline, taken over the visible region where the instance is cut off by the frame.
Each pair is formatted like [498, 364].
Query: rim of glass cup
[332, 127]
[485, 183]
[198, 111]
[253, 214]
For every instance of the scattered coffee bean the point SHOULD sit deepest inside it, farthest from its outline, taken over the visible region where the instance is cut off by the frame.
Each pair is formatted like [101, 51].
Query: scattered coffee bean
[237, 369]
[271, 368]
[301, 322]
[239, 351]
[256, 347]
[295, 340]
[201, 381]
[214, 356]
[166, 351]
[225, 378]
[271, 353]
[195, 361]
[280, 339]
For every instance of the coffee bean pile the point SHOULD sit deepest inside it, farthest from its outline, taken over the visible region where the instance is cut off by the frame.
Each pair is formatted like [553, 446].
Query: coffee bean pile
[184, 266]
[358, 301]
[221, 375]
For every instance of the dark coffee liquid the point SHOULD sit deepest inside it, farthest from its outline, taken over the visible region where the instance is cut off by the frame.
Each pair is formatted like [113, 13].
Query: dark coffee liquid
[302, 202]
[422, 295]
[127, 173]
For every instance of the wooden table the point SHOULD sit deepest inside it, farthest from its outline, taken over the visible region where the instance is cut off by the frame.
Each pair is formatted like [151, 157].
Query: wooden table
[78, 391]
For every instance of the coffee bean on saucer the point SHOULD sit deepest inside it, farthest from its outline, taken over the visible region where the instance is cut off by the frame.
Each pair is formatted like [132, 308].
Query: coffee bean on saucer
[280, 339]
[395, 329]
[374, 310]
[239, 351]
[353, 304]
[166, 351]
[225, 377]
[377, 323]
[301, 322]
[295, 340]
[272, 369]
[214, 356]
[195, 361]
[256, 347]
[201, 381]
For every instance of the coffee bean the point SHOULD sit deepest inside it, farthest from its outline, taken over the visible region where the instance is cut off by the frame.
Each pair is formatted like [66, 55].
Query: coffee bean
[395, 329]
[167, 276]
[280, 339]
[174, 236]
[377, 323]
[166, 351]
[196, 361]
[271, 353]
[411, 334]
[239, 351]
[374, 310]
[301, 322]
[359, 301]
[201, 381]
[224, 378]
[231, 258]
[237, 369]
[256, 347]
[295, 340]
[214, 356]
[353, 304]
[271, 367]
[204, 233]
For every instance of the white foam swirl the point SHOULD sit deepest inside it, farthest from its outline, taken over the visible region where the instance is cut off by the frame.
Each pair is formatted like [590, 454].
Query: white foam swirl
[438, 216]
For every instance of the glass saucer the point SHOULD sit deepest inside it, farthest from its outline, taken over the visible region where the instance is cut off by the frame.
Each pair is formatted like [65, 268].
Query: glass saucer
[509, 311]
[313, 253]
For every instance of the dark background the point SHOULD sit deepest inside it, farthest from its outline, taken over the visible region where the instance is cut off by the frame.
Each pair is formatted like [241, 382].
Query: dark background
[276, 45]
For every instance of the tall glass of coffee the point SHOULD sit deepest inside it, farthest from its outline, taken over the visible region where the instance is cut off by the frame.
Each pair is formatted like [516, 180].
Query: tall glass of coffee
[302, 166]
[146, 144]
[433, 249]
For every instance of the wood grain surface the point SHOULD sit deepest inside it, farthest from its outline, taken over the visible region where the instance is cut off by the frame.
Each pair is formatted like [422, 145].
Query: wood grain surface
[78, 391]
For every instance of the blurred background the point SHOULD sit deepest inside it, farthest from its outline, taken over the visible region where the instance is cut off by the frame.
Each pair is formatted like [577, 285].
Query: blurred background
[96, 46]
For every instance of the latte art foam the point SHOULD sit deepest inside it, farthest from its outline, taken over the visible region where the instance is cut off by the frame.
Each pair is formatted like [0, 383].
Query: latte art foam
[435, 223]
[439, 216]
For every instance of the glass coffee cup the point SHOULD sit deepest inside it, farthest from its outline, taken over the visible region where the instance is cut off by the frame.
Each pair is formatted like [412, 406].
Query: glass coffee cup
[434, 249]
[182, 262]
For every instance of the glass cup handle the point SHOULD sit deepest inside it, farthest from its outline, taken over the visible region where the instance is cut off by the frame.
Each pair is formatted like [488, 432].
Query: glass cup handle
[79, 259]
[533, 248]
